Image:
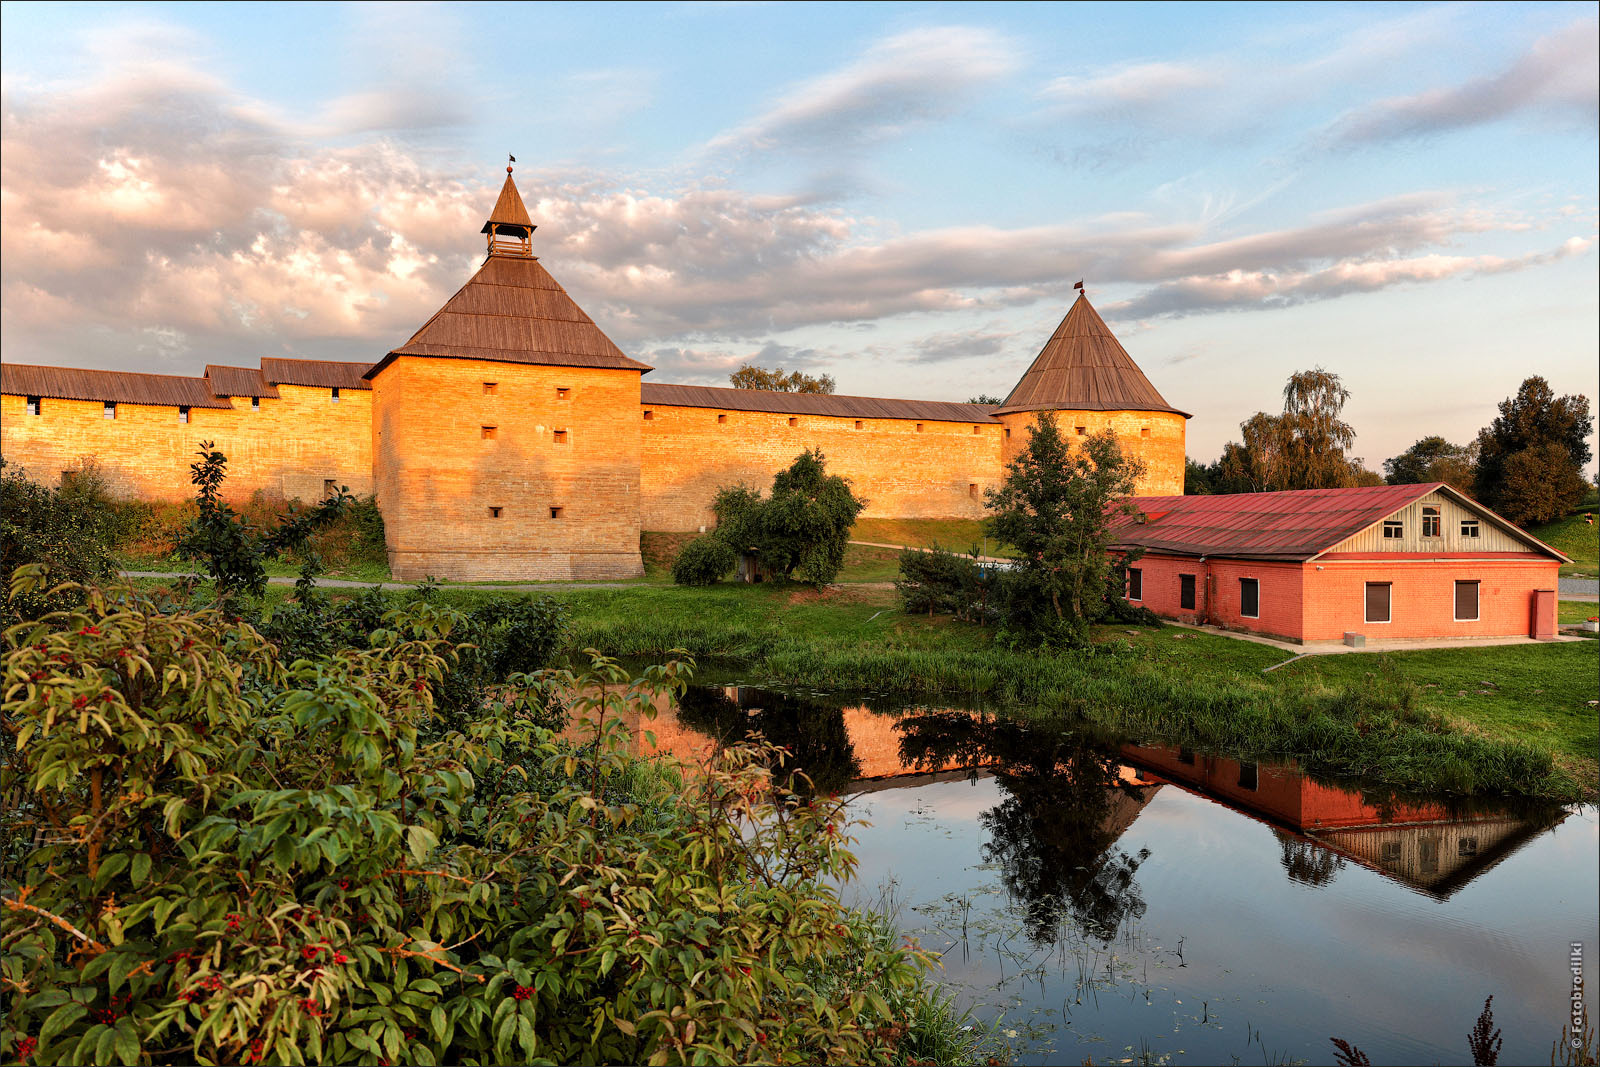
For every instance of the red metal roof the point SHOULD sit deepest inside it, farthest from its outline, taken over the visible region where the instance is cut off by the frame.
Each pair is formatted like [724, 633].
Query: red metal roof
[1283, 526]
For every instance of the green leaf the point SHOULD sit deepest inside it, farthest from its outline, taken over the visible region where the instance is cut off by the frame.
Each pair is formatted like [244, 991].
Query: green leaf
[126, 1041]
[60, 1019]
[110, 867]
[420, 841]
[141, 868]
[121, 964]
[440, 1023]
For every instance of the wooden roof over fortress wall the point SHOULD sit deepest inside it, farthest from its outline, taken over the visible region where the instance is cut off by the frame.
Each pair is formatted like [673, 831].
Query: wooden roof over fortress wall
[173, 390]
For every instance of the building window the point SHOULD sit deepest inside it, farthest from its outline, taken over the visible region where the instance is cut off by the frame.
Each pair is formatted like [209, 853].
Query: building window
[1249, 776]
[1390, 852]
[488, 432]
[561, 437]
[1428, 855]
[1250, 598]
[1430, 521]
[330, 488]
[1469, 528]
[494, 512]
[858, 424]
[555, 512]
[1467, 847]
[183, 414]
[1008, 433]
[919, 427]
[975, 429]
[649, 415]
[1144, 431]
[721, 419]
[972, 490]
[490, 387]
[1186, 592]
[794, 422]
[1378, 602]
[111, 409]
[1393, 529]
[1135, 583]
[1466, 602]
[33, 407]
[562, 392]
[334, 394]
[1080, 430]
[255, 403]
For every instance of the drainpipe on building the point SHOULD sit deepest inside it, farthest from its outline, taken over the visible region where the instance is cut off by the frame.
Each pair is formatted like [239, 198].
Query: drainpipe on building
[1205, 613]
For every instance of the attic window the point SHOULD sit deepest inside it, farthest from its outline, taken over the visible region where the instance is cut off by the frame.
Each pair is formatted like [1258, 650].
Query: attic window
[335, 396]
[494, 512]
[555, 511]
[183, 414]
[794, 422]
[1393, 529]
[255, 403]
[489, 432]
[490, 387]
[648, 415]
[858, 424]
[722, 418]
[1144, 431]
[33, 408]
[111, 409]
[562, 392]
[561, 437]
[1430, 521]
[1470, 528]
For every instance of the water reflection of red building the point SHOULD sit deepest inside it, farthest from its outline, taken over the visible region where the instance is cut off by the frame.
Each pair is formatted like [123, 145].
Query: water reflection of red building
[1426, 846]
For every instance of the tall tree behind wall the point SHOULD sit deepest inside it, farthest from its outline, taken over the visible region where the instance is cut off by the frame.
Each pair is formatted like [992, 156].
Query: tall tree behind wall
[750, 376]
[1302, 448]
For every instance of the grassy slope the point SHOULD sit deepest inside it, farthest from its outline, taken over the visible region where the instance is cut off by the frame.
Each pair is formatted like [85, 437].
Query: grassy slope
[1576, 540]
[957, 535]
[1169, 683]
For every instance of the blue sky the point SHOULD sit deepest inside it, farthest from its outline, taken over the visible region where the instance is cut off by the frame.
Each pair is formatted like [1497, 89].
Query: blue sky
[898, 195]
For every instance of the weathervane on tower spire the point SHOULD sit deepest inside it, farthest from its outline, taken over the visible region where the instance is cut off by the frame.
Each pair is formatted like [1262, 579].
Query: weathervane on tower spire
[1079, 286]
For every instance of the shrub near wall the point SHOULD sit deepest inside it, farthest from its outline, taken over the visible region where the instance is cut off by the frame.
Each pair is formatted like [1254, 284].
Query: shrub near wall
[240, 861]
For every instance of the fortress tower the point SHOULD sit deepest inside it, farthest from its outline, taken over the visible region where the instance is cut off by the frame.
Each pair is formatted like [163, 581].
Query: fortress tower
[1087, 379]
[505, 432]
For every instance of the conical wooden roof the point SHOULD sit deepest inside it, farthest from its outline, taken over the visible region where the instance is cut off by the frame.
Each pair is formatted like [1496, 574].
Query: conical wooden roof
[508, 209]
[1083, 367]
[513, 311]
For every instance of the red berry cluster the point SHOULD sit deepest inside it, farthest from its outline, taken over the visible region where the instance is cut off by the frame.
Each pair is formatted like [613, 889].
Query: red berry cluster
[310, 1006]
[116, 1009]
[233, 920]
[523, 992]
[25, 1048]
[254, 1055]
[89, 631]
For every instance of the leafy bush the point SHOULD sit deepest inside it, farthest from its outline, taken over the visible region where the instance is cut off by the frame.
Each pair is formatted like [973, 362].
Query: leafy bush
[704, 561]
[801, 529]
[57, 528]
[243, 861]
[940, 582]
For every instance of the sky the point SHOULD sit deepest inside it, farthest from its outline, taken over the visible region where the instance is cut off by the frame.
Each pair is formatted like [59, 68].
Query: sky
[901, 196]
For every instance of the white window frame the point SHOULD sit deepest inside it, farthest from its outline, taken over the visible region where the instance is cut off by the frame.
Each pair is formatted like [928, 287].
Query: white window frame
[1394, 529]
[1472, 524]
[183, 414]
[1242, 614]
[35, 405]
[1477, 599]
[1377, 622]
[1436, 513]
[111, 409]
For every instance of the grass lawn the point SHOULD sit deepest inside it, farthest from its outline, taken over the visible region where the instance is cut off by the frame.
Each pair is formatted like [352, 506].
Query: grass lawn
[1570, 611]
[957, 535]
[1576, 540]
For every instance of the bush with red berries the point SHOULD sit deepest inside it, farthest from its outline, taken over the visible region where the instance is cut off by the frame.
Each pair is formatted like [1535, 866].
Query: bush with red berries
[231, 859]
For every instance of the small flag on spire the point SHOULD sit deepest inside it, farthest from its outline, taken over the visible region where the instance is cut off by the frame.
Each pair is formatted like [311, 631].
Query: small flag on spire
[1079, 285]
[512, 158]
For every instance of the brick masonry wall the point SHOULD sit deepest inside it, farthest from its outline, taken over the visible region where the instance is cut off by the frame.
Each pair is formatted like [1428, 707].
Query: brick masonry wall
[1422, 597]
[1281, 607]
[290, 446]
[940, 471]
[438, 475]
[1162, 452]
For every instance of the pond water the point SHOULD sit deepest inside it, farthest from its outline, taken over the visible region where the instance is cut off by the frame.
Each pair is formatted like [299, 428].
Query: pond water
[1097, 896]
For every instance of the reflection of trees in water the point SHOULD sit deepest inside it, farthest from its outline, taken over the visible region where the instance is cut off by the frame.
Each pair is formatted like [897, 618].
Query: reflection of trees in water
[814, 732]
[1306, 861]
[1054, 833]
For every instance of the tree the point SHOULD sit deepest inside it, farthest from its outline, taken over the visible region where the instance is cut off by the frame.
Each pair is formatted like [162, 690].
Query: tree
[1433, 459]
[750, 376]
[801, 529]
[985, 398]
[1056, 507]
[1315, 437]
[1196, 478]
[1531, 458]
[60, 529]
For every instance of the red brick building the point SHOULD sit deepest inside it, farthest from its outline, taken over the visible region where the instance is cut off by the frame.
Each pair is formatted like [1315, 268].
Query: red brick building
[1392, 562]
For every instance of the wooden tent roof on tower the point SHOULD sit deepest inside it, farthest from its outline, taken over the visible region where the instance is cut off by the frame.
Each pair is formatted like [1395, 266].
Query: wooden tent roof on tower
[1083, 367]
[513, 311]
